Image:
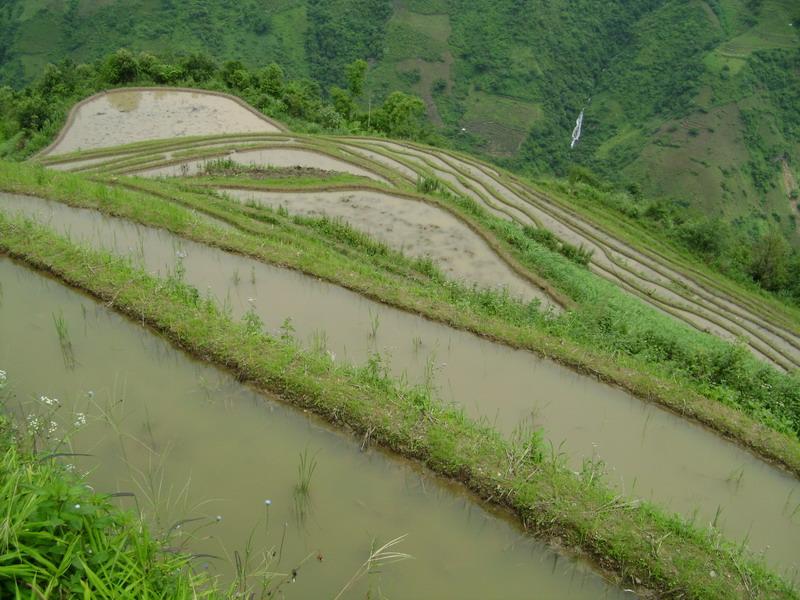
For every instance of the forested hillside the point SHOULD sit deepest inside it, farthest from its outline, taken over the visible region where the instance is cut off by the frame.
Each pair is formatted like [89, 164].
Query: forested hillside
[694, 102]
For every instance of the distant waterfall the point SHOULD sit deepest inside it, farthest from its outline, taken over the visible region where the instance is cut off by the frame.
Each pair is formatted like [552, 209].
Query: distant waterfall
[576, 133]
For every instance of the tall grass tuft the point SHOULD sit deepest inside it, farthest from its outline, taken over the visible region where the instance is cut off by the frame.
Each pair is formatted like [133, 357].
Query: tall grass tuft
[305, 470]
[67, 351]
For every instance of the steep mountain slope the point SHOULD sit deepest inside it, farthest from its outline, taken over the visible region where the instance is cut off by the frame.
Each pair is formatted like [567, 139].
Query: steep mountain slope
[687, 100]
[690, 100]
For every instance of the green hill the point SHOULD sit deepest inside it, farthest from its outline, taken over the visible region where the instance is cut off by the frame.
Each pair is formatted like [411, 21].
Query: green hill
[691, 101]
[691, 108]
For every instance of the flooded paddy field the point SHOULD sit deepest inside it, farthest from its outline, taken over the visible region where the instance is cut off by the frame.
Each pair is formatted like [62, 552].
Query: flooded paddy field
[664, 284]
[413, 227]
[747, 498]
[126, 116]
[192, 443]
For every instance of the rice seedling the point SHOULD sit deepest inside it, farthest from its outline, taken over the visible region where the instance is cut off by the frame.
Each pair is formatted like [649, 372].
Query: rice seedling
[305, 470]
[302, 488]
[319, 342]
[717, 515]
[64, 341]
[735, 477]
[374, 324]
[429, 374]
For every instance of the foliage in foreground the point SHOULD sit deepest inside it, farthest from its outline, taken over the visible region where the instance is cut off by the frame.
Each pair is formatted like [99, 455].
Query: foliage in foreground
[58, 539]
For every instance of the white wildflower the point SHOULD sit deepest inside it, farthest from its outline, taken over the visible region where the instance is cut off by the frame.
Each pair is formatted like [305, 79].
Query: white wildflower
[52, 427]
[80, 419]
[3, 379]
[49, 401]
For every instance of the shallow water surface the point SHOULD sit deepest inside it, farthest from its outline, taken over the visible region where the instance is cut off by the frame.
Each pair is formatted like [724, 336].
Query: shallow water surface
[186, 438]
[647, 451]
[124, 117]
[415, 228]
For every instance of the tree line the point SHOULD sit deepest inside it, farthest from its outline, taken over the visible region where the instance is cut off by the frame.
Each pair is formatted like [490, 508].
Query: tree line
[30, 117]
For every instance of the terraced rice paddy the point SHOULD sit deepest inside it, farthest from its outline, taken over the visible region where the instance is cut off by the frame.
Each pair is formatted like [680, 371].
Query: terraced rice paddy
[205, 445]
[371, 185]
[646, 273]
[127, 116]
[414, 228]
[509, 388]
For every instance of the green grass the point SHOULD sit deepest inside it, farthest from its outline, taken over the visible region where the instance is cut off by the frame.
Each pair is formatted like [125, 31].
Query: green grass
[61, 540]
[504, 121]
[609, 334]
[635, 540]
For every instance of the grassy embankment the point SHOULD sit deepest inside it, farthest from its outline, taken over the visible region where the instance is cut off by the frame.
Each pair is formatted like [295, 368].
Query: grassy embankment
[635, 540]
[608, 334]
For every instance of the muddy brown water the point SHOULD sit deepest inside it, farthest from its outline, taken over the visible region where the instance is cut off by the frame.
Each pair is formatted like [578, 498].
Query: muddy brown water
[415, 228]
[123, 117]
[648, 452]
[157, 420]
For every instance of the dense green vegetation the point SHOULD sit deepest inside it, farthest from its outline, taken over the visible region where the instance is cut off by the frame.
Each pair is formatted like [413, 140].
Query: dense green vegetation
[635, 539]
[31, 117]
[340, 32]
[689, 99]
